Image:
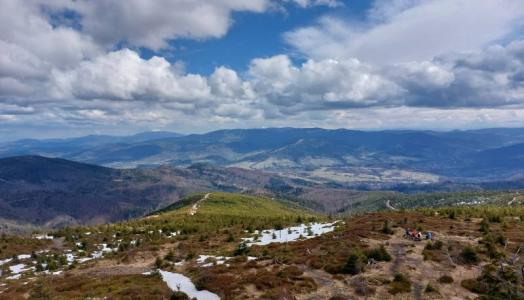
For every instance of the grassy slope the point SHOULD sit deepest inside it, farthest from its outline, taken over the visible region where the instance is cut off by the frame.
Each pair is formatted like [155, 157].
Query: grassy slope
[279, 271]
[237, 204]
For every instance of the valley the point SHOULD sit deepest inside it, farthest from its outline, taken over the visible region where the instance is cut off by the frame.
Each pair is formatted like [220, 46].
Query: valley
[391, 159]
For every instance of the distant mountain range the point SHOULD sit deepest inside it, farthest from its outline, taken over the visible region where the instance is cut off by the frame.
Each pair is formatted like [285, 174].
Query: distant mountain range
[361, 158]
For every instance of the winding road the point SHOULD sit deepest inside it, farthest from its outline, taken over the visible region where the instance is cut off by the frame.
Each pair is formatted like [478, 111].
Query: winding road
[388, 205]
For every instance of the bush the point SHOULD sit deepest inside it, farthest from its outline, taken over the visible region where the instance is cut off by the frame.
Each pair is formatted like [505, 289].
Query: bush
[242, 249]
[434, 245]
[159, 263]
[170, 256]
[445, 279]
[354, 264]
[469, 255]
[386, 228]
[400, 284]
[431, 289]
[379, 254]
[179, 296]
[484, 226]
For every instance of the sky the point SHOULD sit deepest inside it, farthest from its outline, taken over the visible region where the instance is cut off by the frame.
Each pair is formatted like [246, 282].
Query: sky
[72, 68]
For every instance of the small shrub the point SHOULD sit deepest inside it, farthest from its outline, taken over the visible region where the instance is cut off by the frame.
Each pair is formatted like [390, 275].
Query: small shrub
[434, 245]
[484, 226]
[354, 264]
[230, 238]
[430, 289]
[242, 249]
[178, 295]
[159, 263]
[386, 228]
[469, 255]
[379, 254]
[170, 256]
[400, 284]
[445, 279]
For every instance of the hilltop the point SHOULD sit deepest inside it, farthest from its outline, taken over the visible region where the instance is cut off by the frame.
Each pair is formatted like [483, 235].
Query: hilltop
[243, 247]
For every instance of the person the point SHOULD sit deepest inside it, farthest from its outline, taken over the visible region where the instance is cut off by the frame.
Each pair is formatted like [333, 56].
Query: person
[429, 235]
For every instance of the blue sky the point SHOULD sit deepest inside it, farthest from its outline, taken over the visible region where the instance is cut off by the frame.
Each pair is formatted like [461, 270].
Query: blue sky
[251, 35]
[69, 68]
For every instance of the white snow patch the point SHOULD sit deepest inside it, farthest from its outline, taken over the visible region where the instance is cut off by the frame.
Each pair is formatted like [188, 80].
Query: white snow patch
[179, 282]
[70, 258]
[14, 277]
[16, 269]
[44, 237]
[24, 256]
[220, 260]
[291, 234]
[5, 261]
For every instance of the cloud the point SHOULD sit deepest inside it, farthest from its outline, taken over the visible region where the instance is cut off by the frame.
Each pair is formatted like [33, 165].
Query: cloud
[409, 30]
[310, 3]
[58, 67]
[319, 84]
[152, 24]
[124, 75]
[24, 26]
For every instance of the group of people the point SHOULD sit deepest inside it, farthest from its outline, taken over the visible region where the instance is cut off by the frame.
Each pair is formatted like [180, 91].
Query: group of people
[415, 235]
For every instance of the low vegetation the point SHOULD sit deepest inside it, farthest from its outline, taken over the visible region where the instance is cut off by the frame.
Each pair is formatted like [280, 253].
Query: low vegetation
[365, 255]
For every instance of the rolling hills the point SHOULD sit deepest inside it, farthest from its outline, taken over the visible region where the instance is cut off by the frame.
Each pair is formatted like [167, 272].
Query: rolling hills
[372, 159]
[53, 192]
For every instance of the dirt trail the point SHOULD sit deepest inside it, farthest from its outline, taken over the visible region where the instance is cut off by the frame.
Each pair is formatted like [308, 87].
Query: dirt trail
[399, 253]
[194, 208]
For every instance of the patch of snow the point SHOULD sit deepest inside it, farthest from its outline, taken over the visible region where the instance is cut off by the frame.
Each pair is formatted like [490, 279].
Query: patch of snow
[24, 256]
[83, 260]
[290, 234]
[16, 269]
[220, 260]
[5, 261]
[44, 237]
[179, 282]
[14, 277]
[70, 258]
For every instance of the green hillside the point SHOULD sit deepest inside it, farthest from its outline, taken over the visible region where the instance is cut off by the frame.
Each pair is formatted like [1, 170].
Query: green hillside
[222, 210]
[238, 205]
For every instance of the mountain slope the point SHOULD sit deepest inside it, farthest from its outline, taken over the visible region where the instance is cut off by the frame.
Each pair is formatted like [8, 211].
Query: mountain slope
[219, 203]
[54, 192]
[43, 190]
[243, 247]
[361, 157]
